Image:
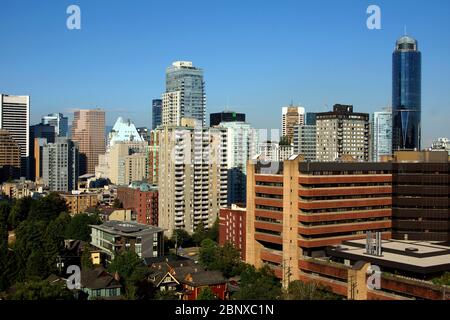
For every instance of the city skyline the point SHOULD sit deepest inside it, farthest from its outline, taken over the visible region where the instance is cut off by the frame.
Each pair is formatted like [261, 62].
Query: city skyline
[276, 63]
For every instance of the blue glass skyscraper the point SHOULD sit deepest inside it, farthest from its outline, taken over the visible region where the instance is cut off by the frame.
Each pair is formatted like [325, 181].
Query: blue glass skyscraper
[406, 95]
[156, 113]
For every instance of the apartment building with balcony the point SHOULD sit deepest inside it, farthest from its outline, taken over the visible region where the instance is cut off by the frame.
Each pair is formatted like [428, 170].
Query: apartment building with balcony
[192, 175]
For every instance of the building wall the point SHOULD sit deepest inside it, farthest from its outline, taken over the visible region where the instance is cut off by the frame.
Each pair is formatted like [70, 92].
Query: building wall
[144, 203]
[219, 290]
[304, 141]
[302, 208]
[342, 132]
[185, 95]
[15, 117]
[9, 157]
[153, 157]
[78, 203]
[232, 228]
[60, 165]
[421, 196]
[381, 135]
[290, 118]
[192, 176]
[88, 130]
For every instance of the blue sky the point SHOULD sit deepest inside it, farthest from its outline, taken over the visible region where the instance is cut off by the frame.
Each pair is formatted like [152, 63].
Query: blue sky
[257, 55]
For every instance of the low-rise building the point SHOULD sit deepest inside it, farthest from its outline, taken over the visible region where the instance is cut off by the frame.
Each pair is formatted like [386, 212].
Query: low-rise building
[142, 198]
[98, 284]
[22, 188]
[79, 202]
[186, 279]
[113, 236]
[232, 227]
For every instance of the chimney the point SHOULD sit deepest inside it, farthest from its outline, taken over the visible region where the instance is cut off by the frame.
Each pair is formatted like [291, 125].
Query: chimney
[116, 276]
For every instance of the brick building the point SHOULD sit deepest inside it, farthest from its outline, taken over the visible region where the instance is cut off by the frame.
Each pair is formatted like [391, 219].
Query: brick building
[79, 202]
[296, 209]
[232, 227]
[143, 199]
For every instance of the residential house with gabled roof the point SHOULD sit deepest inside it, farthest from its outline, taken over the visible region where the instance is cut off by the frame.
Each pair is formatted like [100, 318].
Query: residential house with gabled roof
[97, 283]
[186, 278]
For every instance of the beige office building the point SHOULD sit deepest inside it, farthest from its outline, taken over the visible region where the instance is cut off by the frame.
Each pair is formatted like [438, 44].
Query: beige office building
[342, 133]
[192, 175]
[9, 156]
[291, 117]
[88, 130]
[124, 162]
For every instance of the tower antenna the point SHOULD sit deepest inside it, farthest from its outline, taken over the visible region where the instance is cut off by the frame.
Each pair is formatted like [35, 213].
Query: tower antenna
[405, 30]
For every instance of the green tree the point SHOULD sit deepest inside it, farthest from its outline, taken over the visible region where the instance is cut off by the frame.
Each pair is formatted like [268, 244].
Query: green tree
[213, 233]
[443, 280]
[20, 211]
[180, 237]
[86, 260]
[209, 254]
[258, 285]
[37, 265]
[200, 234]
[79, 229]
[206, 294]
[41, 290]
[29, 239]
[144, 289]
[4, 211]
[299, 290]
[53, 241]
[48, 208]
[229, 260]
[226, 259]
[166, 295]
[131, 270]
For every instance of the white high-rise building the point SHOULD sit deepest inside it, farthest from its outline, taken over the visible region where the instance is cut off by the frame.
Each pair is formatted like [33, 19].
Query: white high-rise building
[15, 117]
[291, 117]
[381, 134]
[185, 94]
[242, 141]
[60, 161]
[192, 175]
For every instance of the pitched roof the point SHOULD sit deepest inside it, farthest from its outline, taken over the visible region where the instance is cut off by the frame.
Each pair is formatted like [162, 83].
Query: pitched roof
[185, 272]
[98, 278]
[204, 278]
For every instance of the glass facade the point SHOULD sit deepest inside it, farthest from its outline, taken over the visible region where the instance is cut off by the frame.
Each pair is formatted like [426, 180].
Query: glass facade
[406, 95]
[156, 113]
[183, 77]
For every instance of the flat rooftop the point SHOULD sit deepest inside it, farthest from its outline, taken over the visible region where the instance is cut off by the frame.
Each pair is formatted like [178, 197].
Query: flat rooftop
[127, 228]
[414, 256]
